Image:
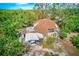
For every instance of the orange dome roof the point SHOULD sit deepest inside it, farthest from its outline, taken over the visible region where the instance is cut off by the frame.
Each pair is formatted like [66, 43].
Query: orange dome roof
[43, 25]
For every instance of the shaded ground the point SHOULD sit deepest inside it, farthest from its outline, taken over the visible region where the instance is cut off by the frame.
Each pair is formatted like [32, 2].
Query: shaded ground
[68, 47]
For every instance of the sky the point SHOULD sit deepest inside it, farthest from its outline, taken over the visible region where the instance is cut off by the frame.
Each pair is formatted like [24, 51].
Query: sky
[14, 6]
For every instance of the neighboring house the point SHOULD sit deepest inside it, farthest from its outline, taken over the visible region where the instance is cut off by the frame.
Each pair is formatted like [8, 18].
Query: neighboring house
[28, 34]
[33, 37]
[40, 29]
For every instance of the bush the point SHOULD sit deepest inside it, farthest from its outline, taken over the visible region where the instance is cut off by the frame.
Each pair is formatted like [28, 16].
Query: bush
[75, 41]
[47, 43]
[29, 22]
[63, 34]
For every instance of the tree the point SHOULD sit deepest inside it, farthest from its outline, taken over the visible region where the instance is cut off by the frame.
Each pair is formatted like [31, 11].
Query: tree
[42, 9]
[71, 24]
[9, 46]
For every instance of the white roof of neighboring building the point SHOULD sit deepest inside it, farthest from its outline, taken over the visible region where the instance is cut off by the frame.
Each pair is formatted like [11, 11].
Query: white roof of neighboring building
[33, 36]
[39, 35]
[29, 29]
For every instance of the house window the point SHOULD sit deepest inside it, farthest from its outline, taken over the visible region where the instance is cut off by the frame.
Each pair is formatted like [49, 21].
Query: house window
[50, 30]
[54, 34]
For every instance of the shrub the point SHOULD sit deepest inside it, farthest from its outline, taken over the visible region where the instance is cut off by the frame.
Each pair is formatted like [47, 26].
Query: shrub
[63, 34]
[49, 41]
[29, 22]
[75, 41]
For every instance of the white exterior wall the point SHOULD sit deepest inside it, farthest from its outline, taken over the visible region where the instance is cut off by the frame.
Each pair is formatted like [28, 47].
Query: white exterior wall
[21, 38]
[55, 34]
